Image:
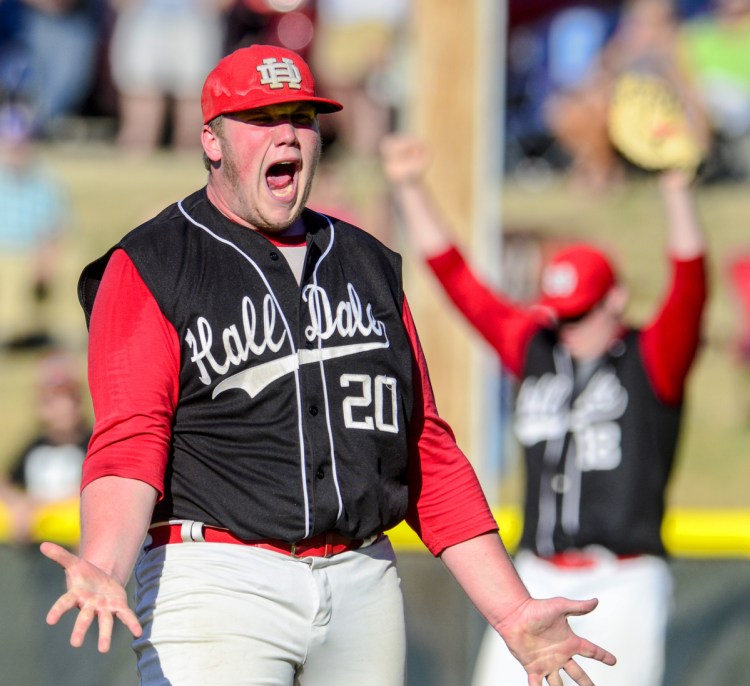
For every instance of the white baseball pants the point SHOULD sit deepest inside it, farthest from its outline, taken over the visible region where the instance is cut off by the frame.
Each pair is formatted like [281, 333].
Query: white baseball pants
[635, 597]
[217, 613]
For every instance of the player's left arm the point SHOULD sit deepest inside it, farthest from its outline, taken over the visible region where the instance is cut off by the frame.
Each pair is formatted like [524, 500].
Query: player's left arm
[450, 513]
[536, 631]
[670, 342]
[446, 501]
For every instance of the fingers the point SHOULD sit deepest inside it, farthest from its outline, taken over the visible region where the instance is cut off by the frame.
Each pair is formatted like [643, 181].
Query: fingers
[58, 554]
[81, 626]
[595, 652]
[62, 605]
[576, 608]
[128, 618]
[554, 679]
[106, 622]
[405, 157]
[575, 672]
[86, 617]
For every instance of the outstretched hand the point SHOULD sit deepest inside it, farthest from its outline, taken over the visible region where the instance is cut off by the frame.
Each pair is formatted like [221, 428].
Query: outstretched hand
[539, 636]
[405, 158]
[96, 593]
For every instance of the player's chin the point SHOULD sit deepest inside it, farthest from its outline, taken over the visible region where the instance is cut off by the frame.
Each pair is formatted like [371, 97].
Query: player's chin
[278, 219]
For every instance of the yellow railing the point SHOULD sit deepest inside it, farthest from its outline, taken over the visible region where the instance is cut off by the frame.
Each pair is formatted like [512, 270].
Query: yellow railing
[687, 532]
[710, 533]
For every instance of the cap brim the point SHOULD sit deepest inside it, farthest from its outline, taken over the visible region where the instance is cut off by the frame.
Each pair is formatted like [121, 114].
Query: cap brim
[566, 308]
[322, 105]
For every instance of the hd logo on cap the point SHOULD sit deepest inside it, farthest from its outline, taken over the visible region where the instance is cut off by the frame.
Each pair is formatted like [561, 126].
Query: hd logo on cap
[275, 74]
[559, 280]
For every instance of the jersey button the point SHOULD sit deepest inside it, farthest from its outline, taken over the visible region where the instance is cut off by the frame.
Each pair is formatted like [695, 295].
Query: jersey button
[273, 255]
[320, 474]
[313, 410]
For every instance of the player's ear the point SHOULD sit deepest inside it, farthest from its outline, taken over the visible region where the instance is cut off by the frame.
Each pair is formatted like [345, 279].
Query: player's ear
[211, 143]
[617, 299]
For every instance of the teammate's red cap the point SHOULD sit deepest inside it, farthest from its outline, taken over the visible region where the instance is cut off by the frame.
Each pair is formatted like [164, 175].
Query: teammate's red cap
[575, 279]
[257, 76]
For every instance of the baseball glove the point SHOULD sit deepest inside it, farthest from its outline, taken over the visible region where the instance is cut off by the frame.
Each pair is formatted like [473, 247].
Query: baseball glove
[650, 126]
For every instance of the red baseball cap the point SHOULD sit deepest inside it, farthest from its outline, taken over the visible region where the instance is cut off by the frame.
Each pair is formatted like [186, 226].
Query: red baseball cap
[257, 76]
[575, 279]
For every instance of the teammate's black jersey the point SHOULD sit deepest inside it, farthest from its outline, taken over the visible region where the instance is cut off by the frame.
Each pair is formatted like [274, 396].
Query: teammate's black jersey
[599, 449]
[295, 399]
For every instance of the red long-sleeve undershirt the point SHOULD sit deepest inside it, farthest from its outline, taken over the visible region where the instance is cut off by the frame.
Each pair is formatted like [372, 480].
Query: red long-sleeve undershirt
[134, 362]
[668, 343]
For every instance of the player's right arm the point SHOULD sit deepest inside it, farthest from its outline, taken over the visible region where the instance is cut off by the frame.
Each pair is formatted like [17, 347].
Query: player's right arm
[449, 512]
[506, 327]
[133, 371]
[115, 514]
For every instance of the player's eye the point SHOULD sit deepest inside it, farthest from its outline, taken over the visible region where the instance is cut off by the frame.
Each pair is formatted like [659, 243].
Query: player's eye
[303, 118]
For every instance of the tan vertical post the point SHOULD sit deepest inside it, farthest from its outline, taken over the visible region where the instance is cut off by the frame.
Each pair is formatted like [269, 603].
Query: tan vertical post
[441, 90]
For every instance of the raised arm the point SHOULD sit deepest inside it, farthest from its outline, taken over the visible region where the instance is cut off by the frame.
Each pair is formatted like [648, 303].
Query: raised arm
[405, 160]
[685, 239]
[669, 343]
[506, 326]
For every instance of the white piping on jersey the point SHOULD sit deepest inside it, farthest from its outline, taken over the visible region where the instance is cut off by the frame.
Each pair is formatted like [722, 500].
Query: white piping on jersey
[553, 453]
[570, 518]
[334, 469]
[295, 371]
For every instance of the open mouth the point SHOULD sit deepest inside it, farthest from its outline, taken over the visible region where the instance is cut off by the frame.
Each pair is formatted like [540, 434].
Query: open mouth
[280, 178]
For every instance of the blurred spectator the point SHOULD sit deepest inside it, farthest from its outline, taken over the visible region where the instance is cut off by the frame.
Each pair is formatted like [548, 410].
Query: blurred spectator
[286, 23]
[160, 54]
[549, 54]
[33, 215]
[13, 62]
[59, 39]
[354, 53]
[48, 469]
[645, 40]
[42, 494]
[716, 49]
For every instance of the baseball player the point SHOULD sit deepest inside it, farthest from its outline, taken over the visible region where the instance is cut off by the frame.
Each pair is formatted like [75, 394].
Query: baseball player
[263, 415]
[598, 414]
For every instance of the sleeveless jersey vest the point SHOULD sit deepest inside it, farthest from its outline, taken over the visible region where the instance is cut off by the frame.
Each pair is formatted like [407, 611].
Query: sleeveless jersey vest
[295, 400]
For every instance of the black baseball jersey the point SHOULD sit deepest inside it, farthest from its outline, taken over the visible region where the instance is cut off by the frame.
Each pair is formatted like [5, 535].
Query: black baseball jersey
[294, 399]
[599, 448]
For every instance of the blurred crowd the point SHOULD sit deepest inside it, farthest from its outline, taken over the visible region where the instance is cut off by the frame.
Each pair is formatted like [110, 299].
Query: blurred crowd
[129, 73]
[141, 63]
[562, 65]
[138, 65]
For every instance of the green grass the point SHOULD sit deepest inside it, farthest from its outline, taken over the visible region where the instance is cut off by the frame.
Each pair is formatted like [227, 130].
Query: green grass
[111, 194]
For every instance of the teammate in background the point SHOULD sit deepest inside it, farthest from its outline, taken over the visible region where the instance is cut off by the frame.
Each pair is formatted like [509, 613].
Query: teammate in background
[598, 414]
[263, 415]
